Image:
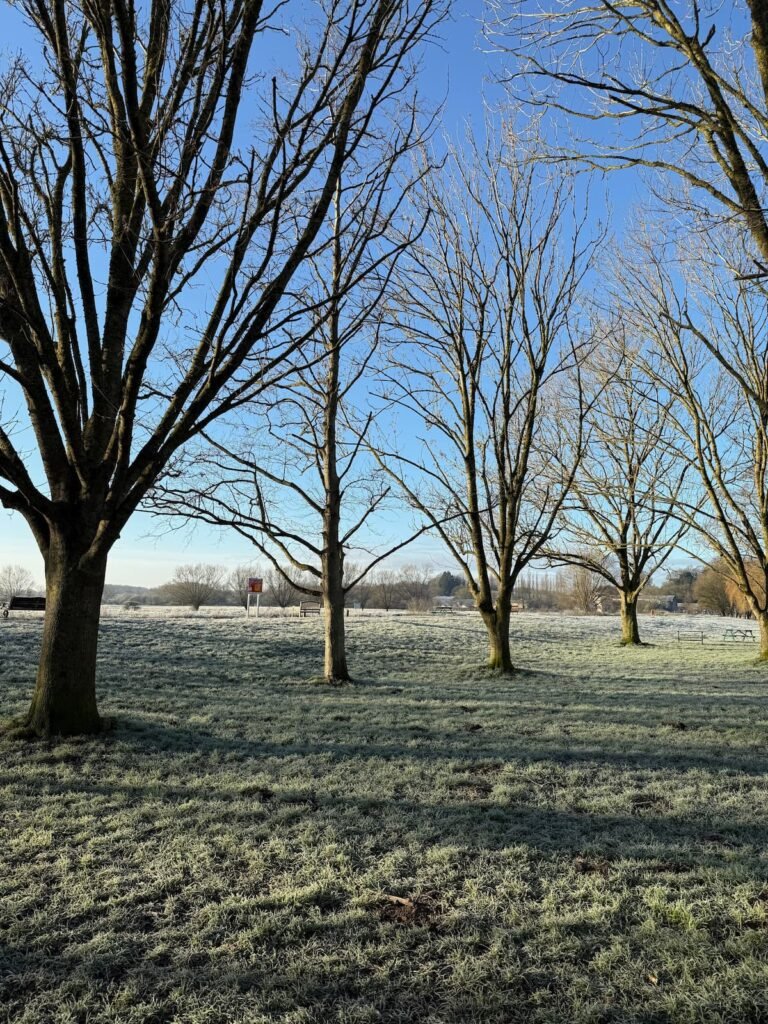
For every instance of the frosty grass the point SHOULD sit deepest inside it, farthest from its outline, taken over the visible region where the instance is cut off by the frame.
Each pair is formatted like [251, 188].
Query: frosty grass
[586, 842]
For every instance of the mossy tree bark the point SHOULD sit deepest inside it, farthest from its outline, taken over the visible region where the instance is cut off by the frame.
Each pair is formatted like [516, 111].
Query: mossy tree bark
[499, 648]
[630, 628]
[64, 699]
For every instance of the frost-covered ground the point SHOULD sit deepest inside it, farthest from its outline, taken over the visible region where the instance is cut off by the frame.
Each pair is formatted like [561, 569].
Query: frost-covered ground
[587, 842]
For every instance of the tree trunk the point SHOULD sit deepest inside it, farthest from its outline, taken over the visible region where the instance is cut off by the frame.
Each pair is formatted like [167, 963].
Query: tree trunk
[333, 549]
[630, 630]
[333, 598]
[499, 653]
[762, 621]
[64, 701]
[335, 640]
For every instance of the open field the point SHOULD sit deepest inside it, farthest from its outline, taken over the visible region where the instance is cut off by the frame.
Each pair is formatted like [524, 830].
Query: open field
[587, 842]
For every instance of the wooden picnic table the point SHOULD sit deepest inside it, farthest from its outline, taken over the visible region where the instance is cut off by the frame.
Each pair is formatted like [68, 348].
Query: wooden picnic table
[740, 635]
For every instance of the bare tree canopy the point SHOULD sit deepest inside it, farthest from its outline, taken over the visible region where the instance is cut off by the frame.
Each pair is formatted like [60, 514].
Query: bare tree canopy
[620, 520]
[679, 92]
[281, 586]
[587, 585]
[292, 473]
[14, 581]
[488, 312]
[686, 84]
[688, 309]
[195, 585]
[129, 178]
[386, 584]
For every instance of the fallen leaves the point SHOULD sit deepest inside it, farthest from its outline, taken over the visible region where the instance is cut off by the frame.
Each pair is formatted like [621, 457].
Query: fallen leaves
[422, 909]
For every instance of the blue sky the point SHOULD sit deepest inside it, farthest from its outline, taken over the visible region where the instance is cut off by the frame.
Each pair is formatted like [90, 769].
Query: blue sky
[146, 554]
[457, 72]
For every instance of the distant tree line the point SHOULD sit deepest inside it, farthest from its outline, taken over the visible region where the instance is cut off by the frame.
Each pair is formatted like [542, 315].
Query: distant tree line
[410, 587]
[414, 587]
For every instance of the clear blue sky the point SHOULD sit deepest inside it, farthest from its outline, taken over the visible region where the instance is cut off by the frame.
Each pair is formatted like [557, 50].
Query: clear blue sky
[457, 71]
[146, 554]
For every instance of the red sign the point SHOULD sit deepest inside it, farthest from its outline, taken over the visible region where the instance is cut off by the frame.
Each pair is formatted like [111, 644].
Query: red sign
[255, 585]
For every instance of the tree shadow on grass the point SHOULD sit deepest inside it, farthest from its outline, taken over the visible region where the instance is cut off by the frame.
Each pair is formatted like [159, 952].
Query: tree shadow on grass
[476, 821]
[321, 961]
[385, 743]
[235, 989]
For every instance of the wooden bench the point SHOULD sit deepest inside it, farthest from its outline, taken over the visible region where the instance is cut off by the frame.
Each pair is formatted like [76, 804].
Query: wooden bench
[690, 636]
[739, 635]
[24, 604]
[309, 608]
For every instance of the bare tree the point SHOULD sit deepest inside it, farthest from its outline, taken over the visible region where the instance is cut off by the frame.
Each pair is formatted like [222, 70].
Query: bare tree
[488, 304]
[621, 520]
[542, 591]
[195, 585]
[280, 586]
[15, 580]
[385, 584]
[715, 591]
[587, 586]
[688, 308]
[689, 85]
[361, 591]
[305, 494]
[685, 83]
[413, 586]
[127, 181]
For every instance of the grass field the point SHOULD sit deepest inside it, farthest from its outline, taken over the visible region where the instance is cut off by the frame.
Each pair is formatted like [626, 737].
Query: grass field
[587, 842]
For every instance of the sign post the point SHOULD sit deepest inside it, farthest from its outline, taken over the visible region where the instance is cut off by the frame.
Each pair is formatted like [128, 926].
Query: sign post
[255, 586]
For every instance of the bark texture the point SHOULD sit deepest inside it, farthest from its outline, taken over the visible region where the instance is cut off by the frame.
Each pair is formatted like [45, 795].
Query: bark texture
[762, 620]
[630, 629]
[64, 700]
[335, 670]
[499, 650]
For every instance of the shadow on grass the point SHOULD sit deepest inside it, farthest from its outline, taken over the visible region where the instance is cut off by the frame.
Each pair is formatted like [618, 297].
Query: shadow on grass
[231, 988]
[451, 744]
[673, 844]
[458, 811]
[226, 989]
